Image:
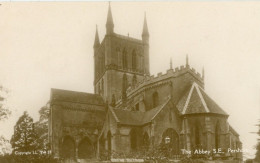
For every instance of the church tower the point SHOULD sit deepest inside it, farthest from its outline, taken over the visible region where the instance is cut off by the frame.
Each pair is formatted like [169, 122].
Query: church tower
[120, 61]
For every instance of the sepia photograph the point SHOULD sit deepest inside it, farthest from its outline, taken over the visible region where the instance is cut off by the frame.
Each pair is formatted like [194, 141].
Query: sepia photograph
[135, 81]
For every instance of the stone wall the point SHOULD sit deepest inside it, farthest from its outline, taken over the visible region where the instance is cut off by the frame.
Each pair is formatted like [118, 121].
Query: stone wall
[75, 123]
[166, 119]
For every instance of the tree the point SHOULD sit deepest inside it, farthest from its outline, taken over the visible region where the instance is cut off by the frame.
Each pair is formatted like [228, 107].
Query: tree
[5, 147]
[41, 128]
[24, 138]
[4, 110]
[257, 155]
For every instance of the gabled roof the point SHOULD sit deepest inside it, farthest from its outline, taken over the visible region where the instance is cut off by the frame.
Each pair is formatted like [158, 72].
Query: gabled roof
[128, 117]
[197, 101]
[136, 118]
[77, 97]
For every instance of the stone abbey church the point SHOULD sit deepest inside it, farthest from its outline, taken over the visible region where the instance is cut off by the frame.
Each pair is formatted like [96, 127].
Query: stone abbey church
[132, 110]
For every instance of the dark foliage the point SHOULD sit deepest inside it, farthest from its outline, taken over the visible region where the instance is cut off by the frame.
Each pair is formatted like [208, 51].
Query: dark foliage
[24, 137]
[27, 159]
[41, 128]
[257, 155]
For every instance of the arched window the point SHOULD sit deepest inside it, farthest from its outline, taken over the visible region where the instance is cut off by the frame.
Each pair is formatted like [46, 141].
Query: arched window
[133, 139]
[103, 62]
[109, 140]
[99, 88]
[137, 107]
[146, 141]
[99, 66]
[85, 149]
[134, 65]
[68, 147]
[118, 57]
[124, 59]
[171, 139]
[197, 136]
[155, 99]
[141, 63]
[217, 131]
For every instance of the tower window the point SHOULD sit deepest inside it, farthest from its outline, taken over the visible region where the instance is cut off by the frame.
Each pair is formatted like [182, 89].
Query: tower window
[99, 66]
[118, 57]
[134, 60]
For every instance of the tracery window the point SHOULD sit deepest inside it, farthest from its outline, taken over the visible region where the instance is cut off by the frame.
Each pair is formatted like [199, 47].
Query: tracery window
[124, 59]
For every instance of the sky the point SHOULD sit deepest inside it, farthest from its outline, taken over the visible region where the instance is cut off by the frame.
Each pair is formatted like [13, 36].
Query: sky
[46, 45]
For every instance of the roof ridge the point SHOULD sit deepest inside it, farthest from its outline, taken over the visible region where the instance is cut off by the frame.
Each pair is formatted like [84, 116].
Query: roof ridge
[163, 105]
[202, 98]
[188, 99]
[205, 105]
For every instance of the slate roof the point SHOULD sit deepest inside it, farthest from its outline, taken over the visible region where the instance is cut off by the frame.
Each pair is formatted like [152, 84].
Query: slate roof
[129, 117]
[136, 118]
[195, 100]
[77, 97]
